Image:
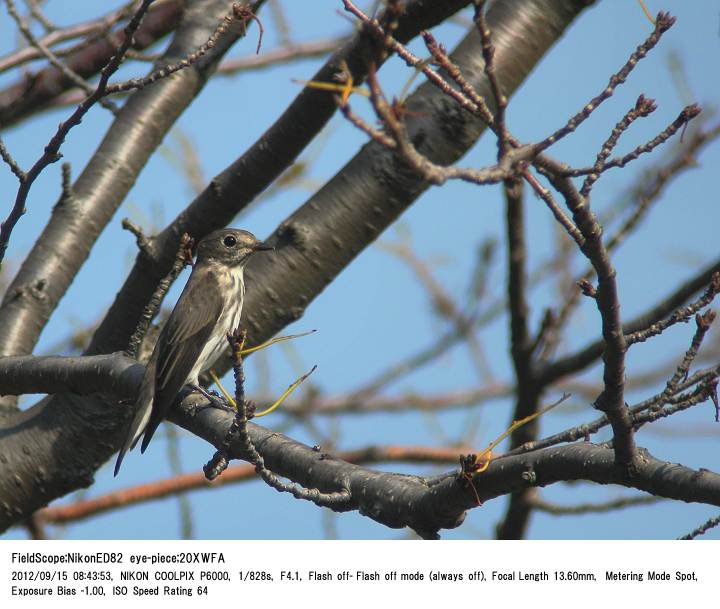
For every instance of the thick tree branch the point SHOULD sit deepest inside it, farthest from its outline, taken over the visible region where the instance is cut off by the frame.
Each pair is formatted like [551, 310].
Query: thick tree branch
[114, 373]
[183, 483]
[426, 505]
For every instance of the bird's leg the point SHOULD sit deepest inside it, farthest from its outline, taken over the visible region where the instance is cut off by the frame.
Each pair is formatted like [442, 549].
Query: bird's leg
[215, 400]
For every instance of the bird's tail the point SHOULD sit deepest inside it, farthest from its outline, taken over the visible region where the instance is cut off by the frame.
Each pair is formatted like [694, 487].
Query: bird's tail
[143, 409]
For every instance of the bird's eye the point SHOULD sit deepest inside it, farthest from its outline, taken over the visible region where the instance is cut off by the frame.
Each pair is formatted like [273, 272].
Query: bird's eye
[229, 241]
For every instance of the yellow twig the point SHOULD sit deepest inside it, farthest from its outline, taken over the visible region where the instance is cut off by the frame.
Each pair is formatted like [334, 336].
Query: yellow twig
[228, 397]
[418, 70]
[242, 351]
[647, 12]
[345, 88]
[274, 341]
[336, 87]
[515, 425]
[285, 394]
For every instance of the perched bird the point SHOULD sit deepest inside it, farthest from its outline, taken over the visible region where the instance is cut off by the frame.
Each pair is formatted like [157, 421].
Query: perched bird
[195, 334]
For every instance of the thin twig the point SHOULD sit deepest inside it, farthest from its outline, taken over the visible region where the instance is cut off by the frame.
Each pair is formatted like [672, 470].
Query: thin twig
[158, 295]
[678, 316]
[643, 107]
[168, 70]
[51, 152]
[294, 52]
[488, 52]
[663, 23]
[11, 162]
[554, 208]
[686, 115]
[702, 529]
[39, 16]
[555, 509]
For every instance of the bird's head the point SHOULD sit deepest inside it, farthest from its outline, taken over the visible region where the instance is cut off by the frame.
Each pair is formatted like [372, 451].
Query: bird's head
[230, 246]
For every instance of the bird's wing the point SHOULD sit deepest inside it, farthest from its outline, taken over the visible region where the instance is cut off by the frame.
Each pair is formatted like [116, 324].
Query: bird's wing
[182, 340]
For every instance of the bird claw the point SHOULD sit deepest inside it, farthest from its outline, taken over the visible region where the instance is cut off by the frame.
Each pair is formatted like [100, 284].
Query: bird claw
[215, 400]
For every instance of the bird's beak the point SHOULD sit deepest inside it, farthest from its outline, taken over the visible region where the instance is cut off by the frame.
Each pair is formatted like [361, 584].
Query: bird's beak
[262, 247]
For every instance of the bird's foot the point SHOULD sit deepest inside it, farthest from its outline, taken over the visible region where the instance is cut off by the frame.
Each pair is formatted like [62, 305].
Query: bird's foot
[215, 400]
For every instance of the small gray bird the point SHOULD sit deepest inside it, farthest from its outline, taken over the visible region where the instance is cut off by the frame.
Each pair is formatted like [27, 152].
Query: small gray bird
[195, 334]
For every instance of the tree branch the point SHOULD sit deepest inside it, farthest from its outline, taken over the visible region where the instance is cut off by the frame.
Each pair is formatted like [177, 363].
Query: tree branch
[424, 504]
[584, 357]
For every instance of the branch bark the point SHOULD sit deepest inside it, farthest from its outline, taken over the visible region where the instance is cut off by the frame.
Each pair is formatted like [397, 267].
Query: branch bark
[395, 500]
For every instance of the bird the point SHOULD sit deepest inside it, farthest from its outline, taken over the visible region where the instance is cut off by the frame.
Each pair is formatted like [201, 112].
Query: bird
[195, 334]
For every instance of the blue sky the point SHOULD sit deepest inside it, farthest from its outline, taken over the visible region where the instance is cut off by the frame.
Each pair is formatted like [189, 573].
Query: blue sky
[376, 313]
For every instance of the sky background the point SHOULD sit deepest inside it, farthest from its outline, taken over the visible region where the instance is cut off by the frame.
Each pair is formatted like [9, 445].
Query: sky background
[376, 313]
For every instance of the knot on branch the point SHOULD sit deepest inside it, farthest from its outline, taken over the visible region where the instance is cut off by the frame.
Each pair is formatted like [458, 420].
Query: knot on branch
[587, 288]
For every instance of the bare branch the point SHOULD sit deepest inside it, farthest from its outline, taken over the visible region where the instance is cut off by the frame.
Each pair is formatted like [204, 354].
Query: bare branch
[663, 23]
[702, 529]
[51, 152]
[643, 107]
[284, 54]
[678, 316]
[591, 508]
[611, 400]
[181, 259]
[645, 194]
[527, 392]
[488, 51]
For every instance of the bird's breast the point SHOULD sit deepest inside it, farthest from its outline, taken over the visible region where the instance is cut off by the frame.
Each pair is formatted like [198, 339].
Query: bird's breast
[233, 286]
